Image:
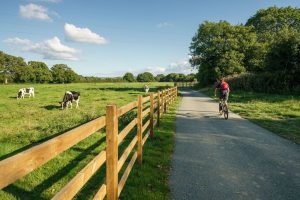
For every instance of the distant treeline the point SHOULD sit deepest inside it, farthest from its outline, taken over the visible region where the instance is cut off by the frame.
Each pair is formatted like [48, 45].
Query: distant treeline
[148, 77]
[262, 55]
[15, 69]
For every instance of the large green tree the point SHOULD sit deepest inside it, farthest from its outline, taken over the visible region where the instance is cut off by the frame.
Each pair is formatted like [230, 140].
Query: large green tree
[269, 22]
[61, 73]
[129, 77]
[221, 49]
[12, 67]
[283, 59]
[159, 77]
[269, 25]
[145, 77]
[41, 72]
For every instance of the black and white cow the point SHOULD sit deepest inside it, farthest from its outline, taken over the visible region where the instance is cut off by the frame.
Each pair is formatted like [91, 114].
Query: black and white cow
[23, 91]
[68, 99]
[146, 88]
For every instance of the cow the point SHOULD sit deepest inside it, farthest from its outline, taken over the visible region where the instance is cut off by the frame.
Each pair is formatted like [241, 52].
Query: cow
[68, 99]
[23, 91]
[146, 88]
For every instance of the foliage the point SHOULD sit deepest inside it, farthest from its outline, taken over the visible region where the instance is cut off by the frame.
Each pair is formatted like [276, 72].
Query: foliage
[41, 72]
[266, 49]
[175, 77]
[268, 22]
[220, 49]
[12, 67]
[159, 77]
[129, 77]
[145, 77]
[61, 73]
[284, 58]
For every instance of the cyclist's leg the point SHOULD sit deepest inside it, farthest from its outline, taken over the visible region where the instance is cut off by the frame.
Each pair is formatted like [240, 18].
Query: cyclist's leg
[220, 104]
[226, 98]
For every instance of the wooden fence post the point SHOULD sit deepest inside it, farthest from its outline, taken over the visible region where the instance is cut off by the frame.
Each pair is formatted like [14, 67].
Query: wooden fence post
[173, 94]
[139, 130]
[111, 152]
[165, 101]
[158, 107]
[151, 114]
[162, 102]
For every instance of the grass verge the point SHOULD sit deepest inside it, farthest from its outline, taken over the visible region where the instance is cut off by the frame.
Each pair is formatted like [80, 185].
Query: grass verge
[150, 180]
[277, 113]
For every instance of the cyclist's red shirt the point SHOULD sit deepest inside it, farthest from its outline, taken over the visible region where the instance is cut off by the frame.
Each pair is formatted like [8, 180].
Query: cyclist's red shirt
[224, 86]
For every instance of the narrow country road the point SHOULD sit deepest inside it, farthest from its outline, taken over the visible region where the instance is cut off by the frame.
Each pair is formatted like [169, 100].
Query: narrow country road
[229, 159]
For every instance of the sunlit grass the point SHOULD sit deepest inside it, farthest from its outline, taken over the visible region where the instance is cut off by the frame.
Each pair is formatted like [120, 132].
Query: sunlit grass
[277, 113]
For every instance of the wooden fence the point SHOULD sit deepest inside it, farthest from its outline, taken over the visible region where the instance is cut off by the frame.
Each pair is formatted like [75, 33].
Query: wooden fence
[21, 164]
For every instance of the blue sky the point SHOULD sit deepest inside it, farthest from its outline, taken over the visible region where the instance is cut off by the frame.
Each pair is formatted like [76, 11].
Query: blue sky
[109, 38]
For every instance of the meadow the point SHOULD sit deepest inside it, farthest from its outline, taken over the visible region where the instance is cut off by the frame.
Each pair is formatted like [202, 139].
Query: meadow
[279, 113]
[30, 121]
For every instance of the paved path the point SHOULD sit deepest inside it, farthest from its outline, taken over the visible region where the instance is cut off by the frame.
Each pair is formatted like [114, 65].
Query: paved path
[230, 159]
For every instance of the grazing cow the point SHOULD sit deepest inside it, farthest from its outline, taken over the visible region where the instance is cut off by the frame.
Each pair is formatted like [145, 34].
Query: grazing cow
[68, 99]
[146, 88]
[23, 91]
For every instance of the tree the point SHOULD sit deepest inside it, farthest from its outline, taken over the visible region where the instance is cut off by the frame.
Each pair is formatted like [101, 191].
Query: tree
[129, 77]
[61, 73]
[41, 72]
[24, 74]
[190, 78]
[172, 77]
[11, 67]
[220, 49]
[284, 58]
[145, 77]
[159, 77]
[268, 25]
[268, 22]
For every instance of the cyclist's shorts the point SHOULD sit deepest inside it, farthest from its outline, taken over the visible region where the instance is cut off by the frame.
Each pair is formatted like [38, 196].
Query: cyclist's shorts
[224, 95]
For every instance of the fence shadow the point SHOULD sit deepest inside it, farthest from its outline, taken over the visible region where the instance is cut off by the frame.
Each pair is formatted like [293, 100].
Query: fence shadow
[35, 193]
[39, 142]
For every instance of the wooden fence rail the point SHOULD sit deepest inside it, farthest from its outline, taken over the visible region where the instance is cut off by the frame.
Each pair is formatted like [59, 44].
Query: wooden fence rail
[21, 164]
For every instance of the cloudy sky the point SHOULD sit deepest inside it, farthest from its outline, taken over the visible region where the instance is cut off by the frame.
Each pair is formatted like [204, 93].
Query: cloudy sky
[109, 38]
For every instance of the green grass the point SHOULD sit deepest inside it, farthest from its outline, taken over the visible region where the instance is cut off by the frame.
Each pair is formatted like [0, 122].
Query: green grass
[27, 122]
[150, 180]
[277, 113]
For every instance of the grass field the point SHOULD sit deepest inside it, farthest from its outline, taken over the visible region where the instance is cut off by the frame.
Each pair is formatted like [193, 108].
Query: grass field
[277, 113]
[27, 122]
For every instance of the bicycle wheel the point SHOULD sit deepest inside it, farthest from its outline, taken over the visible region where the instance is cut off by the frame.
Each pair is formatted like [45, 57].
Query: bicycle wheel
[225, 112]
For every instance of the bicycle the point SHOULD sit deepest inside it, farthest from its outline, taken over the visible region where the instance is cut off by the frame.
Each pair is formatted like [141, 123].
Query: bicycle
[223, 109]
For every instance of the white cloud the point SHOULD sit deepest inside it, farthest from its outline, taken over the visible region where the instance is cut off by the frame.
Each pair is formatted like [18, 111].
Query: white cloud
[34, 11]
[51, 49]
[49, 1]
[77, 34]
[18, 41]
[182, 66]
[164, 25]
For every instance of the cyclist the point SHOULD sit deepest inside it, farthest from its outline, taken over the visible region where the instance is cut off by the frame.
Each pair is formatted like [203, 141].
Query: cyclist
[224, 90]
